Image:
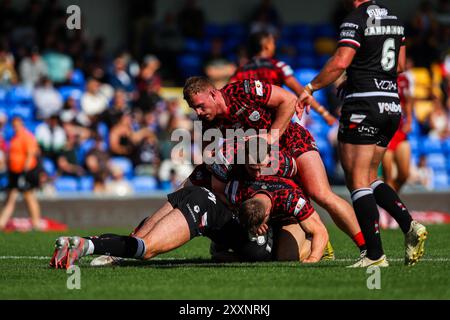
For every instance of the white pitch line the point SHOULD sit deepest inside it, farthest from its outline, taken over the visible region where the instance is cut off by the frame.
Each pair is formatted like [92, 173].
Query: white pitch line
[184, 258]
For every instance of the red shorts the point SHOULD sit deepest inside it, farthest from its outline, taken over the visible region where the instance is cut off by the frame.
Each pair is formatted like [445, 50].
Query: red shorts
[297, 140]
[398, 138]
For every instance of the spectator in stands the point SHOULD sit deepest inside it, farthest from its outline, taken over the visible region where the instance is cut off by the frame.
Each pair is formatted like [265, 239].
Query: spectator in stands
[23, 169]
[191, 20]
[3, 146]
[422, 175]
[68, 164]
[148, 75]
[146, 160]
[93, 102]
[60, 65]
[8, 75]
[33, 68]
[51, 138]
[439, 121]
[97, 164]
[120, 78]
[47, 99]
[118, 185]
[112, 115]
[265, 19]
[123, 141]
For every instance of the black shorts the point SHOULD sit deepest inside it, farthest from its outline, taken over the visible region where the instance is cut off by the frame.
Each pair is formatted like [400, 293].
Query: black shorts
[372, 120]
[204, 212]
[24, 181]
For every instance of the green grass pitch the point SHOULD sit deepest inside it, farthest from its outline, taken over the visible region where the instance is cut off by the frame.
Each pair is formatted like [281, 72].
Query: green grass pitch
[187, 273]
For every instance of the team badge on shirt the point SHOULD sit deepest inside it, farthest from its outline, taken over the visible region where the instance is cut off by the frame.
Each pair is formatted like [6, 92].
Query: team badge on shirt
[255, 116]
[259, 88]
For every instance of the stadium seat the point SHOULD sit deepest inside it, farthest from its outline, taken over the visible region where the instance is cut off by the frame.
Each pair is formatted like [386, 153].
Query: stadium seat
[66, 185]
[321, 61]
[4, 181]
[436, 161]
[305, 62]
[124, 164]
[440, 180]
[3, 94]
[214, 30]
[305, 75]
[165, 186]
[446, 146]
[70, 91]
[189, 65]
[77, 78]
[289, 60]
[236, 31]
[24, 111]
[414, 142]
[305, 48]
[86, 184]
[325, 30]
[193, 46]
[49, 167]
[303, 31]
[20, 94]
[84, 148]
[144, 184]
[431, 145]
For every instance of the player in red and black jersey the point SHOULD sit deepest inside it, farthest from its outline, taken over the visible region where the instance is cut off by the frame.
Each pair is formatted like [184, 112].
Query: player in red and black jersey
[253, 104]
[270, 199]
[262, 66]
[399, 150]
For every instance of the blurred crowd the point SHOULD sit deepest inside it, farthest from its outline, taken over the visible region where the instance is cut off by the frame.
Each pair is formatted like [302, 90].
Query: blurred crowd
[103, 116]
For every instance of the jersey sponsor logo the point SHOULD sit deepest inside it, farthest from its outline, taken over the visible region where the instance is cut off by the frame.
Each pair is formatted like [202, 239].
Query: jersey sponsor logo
[300, 204]
[193, 215]
[384, 30]
[211, 196]
[357, 118]
[386, 85]
[259, 88]
[255, 116]
[348, 34]
[368, 131]
[247, 89]
[389, 107]
[349, 25]
[377, 12]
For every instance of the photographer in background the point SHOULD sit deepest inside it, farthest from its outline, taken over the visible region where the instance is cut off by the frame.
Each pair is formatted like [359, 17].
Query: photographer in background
[23, 167]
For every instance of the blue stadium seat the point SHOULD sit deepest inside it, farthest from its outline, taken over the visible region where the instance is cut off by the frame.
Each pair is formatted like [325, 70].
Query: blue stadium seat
[24, 111]
[3, 95]
[49, 167]
[440, 180]
[144, 184]
[235, 30]
[430, 145]
[84, 148]
[70, 91]
[77, 78]
[303, 31]
[305, 48]
[66, 185]
[446, 145]
[4, 181]
[436, 161]
[189, 65]
[305, 75]
[305, 62]
[414, 142]
[289, 60]
[321, 61]
[214, 30]
[193, 46]
[124, 164]
[86, 184]
[20, 94]
[325, 30]
[165, 186]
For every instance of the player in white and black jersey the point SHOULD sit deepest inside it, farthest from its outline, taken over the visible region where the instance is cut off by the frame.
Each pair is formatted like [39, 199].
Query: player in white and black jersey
[372, 51]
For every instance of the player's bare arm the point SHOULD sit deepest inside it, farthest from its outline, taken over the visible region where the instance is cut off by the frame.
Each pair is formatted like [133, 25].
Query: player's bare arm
[314, 226]
[284, 103]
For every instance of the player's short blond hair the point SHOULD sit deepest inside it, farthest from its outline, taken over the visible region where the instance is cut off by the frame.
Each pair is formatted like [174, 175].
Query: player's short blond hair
[195, 85]
[252, 214]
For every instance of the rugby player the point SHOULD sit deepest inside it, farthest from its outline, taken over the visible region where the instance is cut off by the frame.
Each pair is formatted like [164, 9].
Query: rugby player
[253, 104]
[372, 50]
[263, 66]
[399, 150]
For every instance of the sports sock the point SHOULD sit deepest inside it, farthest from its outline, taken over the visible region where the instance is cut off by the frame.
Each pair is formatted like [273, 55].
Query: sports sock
[119, 246]
[359, 240]
[367, 214]
[388, 199]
